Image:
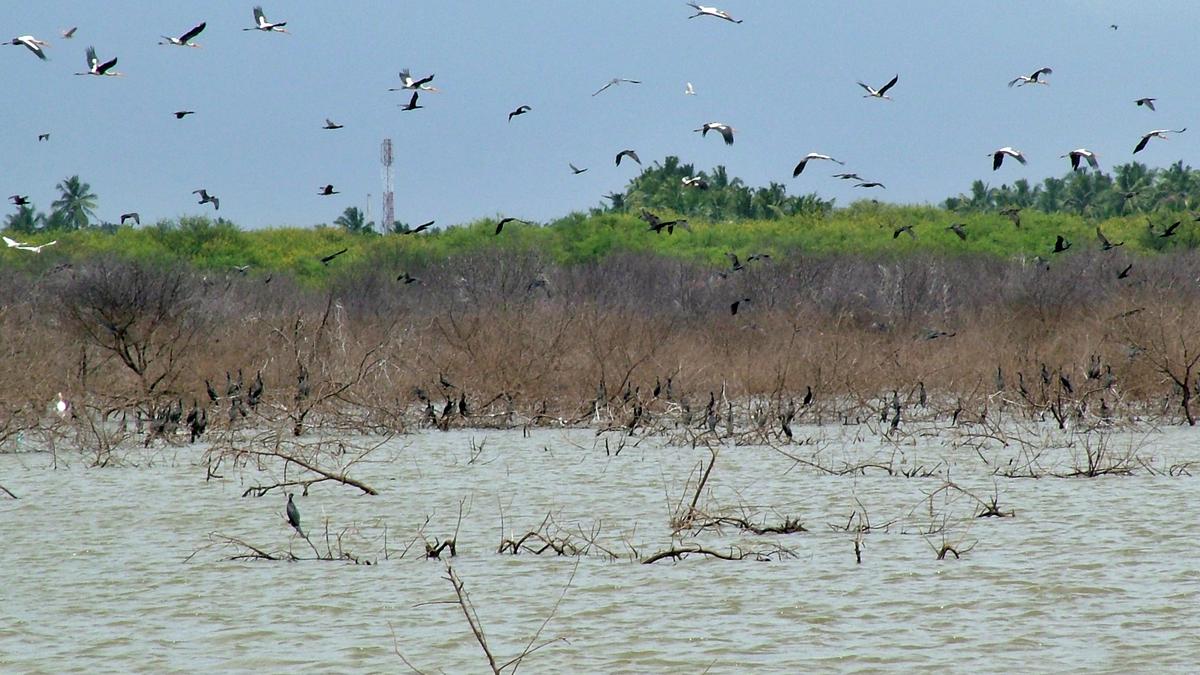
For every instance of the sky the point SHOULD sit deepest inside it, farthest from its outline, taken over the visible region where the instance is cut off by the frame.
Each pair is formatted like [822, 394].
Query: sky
[784, 78]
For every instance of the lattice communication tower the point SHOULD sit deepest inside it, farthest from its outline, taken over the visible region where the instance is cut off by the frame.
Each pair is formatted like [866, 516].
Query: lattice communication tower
[389, 204]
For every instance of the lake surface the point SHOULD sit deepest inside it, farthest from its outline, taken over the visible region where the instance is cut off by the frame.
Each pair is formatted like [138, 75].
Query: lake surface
[111, 569]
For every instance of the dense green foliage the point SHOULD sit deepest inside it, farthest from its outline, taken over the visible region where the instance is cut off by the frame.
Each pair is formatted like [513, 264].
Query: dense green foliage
[716, 225]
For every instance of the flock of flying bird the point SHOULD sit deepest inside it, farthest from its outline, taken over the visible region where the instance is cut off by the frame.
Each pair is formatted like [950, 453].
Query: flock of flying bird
[419, 85]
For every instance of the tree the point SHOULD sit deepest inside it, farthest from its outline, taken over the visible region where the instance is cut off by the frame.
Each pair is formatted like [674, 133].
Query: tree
[76, 204]
[25, 220]
[354, 221]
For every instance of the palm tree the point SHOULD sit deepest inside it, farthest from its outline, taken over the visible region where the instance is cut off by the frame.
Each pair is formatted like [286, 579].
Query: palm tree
[76, 203]
[24, 221]
[352, 220]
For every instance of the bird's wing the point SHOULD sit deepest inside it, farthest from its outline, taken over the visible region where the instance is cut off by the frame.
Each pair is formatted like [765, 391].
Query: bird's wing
[259, 18]
[1042, 71]
[1074, 160]
[1091, 159]
[867, 87]
[1101, 237]
[1142, 143]
[891, 83]
[193, 32]
[997, 159]
[800, 167]
[91, 57]
[1019, 156]
[106, 66]
[634, 157]
[1150, 103]
[424, 80]
[11, 242]
[412, 103]
[1016, 80]
[602, 88]
[727, 133]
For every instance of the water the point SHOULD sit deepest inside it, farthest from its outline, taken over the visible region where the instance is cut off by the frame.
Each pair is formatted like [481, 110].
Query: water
[1094, 574]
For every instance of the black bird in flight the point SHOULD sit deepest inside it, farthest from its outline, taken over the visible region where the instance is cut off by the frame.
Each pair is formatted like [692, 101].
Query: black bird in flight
[326, 260]
[18, 200]
[733, 307]
[327, 191]
[1061, 244]
[180, 114]
[137, 219]
[43, 137]
[1014, 214]
[1125, 272]
[206, 198]
[575, 170]
[407, 278]
[1147, 102]
[957, 229]
[504, 221]
[330, 124]
[1170, 231]
[906, 229]
[519, 111]
[630, 154]
[420, 228]
[1105, 244]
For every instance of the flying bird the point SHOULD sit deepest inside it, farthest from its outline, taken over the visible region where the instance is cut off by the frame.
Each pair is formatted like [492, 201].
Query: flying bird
[657, 225]
[689, 90]
[957, 229]
[206, 198]
[1157, 133]
[327, 259]
[1061, 244]
[701, 10]
[733, 307]
[880, 92]
[407, 81]
[32, 44]
[185, 40]
[615, 81]
[19, 200]
[137, 219]
[43, 137]
[848, 176]
[69, 33]
[630, 154]
[407, 278]
[697, 182]
[1170, 231]
[519, 111]
[1147, 102]
[504, 221]
[1082, 153]
[330, 124]
[97, 68]
[412, 103]
[908, 229]
[725, 130]
[870, 184]
[180, 114]
[998, 156]
[22, 246]
[1034, 78]
[420, 228]
[327, 191]
[261, 23]
[1105, 244]
[575, 170]
[812, 155]
[1125, 272]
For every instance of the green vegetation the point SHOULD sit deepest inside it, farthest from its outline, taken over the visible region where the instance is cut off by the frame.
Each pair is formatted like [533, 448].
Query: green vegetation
[725, 217]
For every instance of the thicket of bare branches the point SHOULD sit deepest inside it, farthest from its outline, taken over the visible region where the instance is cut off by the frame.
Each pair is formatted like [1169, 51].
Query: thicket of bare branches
[629, 342]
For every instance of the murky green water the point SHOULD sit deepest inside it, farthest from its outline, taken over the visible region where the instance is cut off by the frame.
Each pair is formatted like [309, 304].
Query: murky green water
[1095, 574]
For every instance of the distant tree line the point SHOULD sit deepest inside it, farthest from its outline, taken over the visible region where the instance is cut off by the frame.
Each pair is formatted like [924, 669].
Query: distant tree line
[1131, 188]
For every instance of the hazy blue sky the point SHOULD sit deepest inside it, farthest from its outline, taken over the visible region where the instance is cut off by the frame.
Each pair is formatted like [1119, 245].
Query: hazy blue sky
[785, 78]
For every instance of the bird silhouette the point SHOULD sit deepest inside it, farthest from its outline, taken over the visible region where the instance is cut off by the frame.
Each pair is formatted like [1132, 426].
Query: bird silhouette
[519, 111]
[329, 258]
[1061, 244]
[630, 154]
